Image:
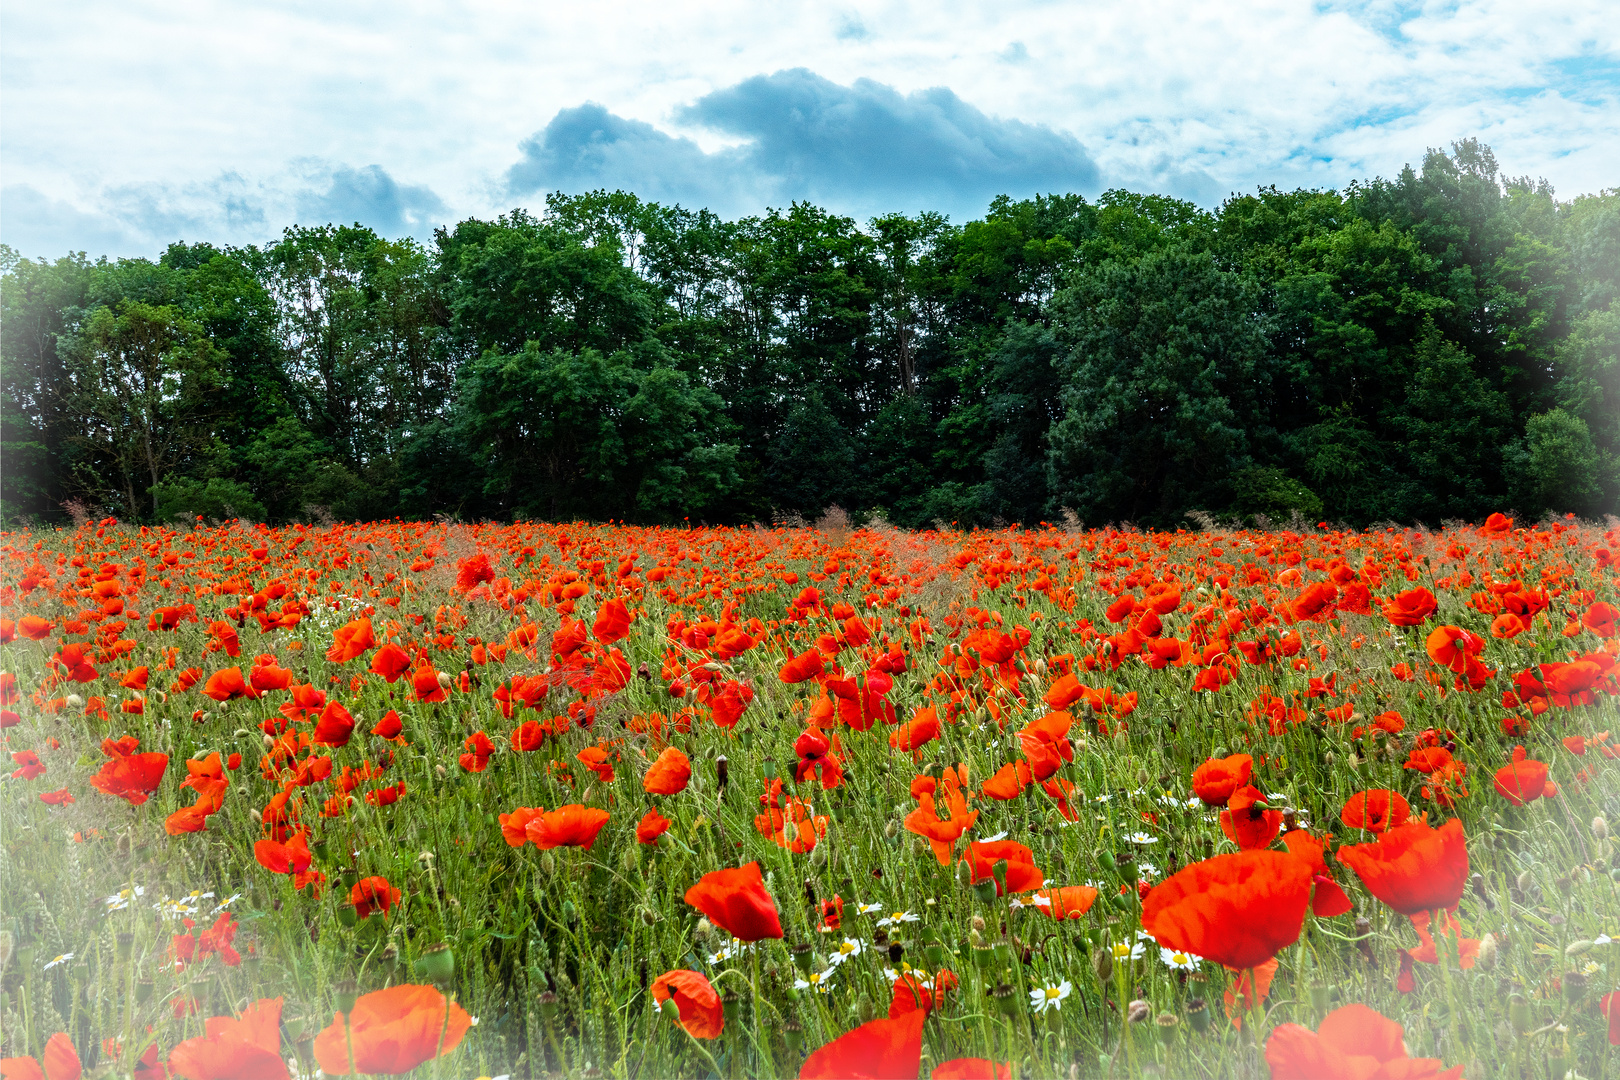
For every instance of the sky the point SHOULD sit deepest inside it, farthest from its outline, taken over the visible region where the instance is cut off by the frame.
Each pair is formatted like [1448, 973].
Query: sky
[129, 125]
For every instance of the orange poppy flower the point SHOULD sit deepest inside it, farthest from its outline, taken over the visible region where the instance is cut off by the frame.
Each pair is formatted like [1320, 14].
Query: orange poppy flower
[595, 759]
[61, 1062]
[697, 1001]
[1021, 872]
[1375, 810]
[567, 826]
[1216, 779]
[1068, 902]
[392, 1031]
[920, 729]
[291, 856]
[910, 995]
[925, 821]
[805, 666]
[736, 901]
[1352, 1043]
[1009, 782]
[1247, 991]
[651, 826]
[877, 1050]
[479, 751]
[669, 774]
[1413, 867]
[1238, 910]
[425, 685]
[515, 826]
[1609, 1009]
[373, 894]
[246, 1047]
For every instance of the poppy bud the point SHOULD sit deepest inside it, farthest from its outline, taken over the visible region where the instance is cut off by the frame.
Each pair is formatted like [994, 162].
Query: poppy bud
[1478, 884]
[438, 963]
[445, 680]
[1198, 1014]
[74, 701]
[548, 864]
[1600, 828]
[964, 872]
[440, 770]
[1487, 952]
[1106, 860]
[976, 924]
[891, 830]
[1137, 1011]
[1519, 1013]
[1577, 948]
[703, 931]
[670, 1009]
[344, 995]
[1524, 881]
[1102, 962]
[999, 869]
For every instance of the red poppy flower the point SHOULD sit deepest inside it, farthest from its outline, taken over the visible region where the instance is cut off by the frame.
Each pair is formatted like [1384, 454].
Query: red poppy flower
[595, 758]
[1375, 810]
[972, 1069]
[1064, 691]
[1524, 780]
[697, 1001]
[28, 765]
[373, 894]
[235, 1048]
[479, 750]
[425, 685]
[1410, 608]
[392, 1032]
[1609, 1008]
[877, 1050]
[228, 685]
[1238, 910]
[60, 1062]
[130, 776]
[1328, 899]
[805, 666]
[390, 662]
[1352, 1043]
[567, 826]
[389, 727]
[925, 820]
[1009, 782]
[35, 628]
[529, 736]
[669, 774]
[736, 901]
[351, 640]
[1247, 824]
[1412, 867]
[1021, 872]
[1216, 779]
[651, 826]
[919, 730]
[910, 995]
[335, 726]
[289, 857]
[612, 622]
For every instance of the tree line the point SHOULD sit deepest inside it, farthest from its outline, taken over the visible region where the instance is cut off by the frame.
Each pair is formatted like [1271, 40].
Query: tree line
[1438, 345]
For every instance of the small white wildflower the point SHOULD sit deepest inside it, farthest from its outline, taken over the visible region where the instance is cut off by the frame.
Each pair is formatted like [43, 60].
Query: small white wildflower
[1147, 870]
[1180, 961]
[819, 981]
[1124, 950]
[1049, 997]
[847, 948]
[897, 918]
[1002, 835]
[867, 909]
[64, 958]
[1142, 838]
[121, 900]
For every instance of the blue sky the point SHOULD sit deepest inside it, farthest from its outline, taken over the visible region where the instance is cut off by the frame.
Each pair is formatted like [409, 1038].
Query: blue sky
[128, 125]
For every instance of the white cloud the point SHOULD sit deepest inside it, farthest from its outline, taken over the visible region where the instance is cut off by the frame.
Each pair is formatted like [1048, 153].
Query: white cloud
[120, 113]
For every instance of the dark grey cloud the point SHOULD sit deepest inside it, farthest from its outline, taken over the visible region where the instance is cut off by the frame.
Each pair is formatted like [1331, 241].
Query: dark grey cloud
[371, 197]
[863, 149]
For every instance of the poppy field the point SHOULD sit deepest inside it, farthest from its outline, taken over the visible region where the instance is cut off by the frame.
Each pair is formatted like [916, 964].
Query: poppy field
[611, 801]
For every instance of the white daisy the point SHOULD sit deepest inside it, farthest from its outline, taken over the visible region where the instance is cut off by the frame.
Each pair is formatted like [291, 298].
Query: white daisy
[1049, 997]
[1180, 961]
[819, 981]
[847, 948]
[1124, 950]
[1147, 870]
[1193, 803]
[1142, 838]
[1002, 835]
[223, 904]
[867, 909]
[121, 900]
[898, 917]
[734, 947]
[64, 958]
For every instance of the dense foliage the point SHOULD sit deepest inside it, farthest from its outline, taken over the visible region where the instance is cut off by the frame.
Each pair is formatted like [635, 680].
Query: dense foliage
[725, 802]
[1431, 347]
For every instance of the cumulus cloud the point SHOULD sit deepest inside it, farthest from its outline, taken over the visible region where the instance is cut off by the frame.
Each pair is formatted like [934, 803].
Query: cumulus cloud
[864, 147]
[371, 197]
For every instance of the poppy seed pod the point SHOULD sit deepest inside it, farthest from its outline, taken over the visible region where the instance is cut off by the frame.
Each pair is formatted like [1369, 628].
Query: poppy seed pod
[1167, 1023]
[344, 995]
[437, 963]
[1102, 962]
[1198, 1014]
[1575, 985]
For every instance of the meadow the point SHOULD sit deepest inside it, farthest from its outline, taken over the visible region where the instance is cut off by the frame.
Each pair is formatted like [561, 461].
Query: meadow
[612, 801]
